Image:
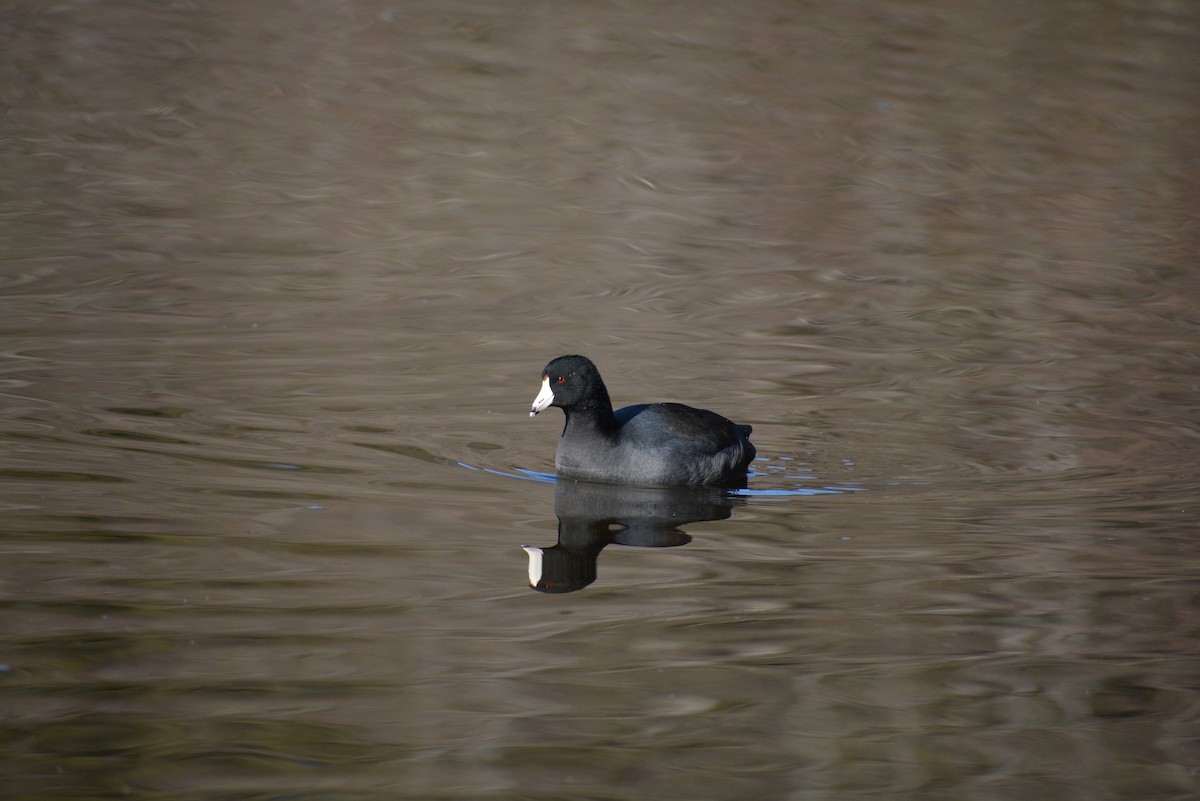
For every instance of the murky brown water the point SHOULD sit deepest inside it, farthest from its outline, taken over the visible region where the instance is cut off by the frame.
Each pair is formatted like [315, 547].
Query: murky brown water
[277, 283]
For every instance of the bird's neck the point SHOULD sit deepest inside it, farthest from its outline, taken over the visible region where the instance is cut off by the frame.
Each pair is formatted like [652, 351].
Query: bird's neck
[594, 415]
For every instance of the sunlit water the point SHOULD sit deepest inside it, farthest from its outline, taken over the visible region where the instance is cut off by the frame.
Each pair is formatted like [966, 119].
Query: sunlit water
[277, 284]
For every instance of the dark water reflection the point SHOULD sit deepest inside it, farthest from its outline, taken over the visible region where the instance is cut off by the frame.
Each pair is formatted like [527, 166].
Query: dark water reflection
[593, 516]
[271, 275]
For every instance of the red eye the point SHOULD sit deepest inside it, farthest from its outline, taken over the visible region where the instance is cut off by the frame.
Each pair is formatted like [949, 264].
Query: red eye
[562, 379]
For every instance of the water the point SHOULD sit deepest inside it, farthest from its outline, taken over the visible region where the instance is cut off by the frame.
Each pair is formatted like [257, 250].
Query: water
[277, 284]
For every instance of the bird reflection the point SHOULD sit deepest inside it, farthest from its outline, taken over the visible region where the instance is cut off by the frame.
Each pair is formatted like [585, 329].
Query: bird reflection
[591, 516]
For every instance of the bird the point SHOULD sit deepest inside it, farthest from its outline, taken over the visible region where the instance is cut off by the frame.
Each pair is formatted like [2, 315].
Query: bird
[650, 444]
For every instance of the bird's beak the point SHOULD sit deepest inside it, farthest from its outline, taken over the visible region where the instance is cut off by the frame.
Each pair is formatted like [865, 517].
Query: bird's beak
[544, 398]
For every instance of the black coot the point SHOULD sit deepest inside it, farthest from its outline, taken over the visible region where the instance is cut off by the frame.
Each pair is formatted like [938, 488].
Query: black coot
[653, 444]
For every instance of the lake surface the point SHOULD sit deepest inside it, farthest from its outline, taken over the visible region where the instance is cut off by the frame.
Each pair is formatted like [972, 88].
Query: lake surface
[277, 282]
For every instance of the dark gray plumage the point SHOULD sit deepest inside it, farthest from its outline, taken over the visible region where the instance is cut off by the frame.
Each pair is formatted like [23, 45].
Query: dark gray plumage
[653, 444]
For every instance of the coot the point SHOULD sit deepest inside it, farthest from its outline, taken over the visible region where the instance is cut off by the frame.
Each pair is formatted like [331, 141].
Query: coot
[652, 444]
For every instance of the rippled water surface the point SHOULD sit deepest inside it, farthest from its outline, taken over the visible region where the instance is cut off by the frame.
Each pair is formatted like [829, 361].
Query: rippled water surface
[277, 282]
